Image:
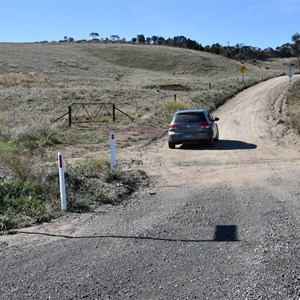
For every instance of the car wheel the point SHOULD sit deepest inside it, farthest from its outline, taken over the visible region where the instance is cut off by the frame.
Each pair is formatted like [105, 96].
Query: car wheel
[211, 142]
[172, 145]
[217, 136]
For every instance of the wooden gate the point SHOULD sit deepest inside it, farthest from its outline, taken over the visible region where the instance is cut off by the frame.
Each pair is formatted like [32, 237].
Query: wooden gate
[91, 112]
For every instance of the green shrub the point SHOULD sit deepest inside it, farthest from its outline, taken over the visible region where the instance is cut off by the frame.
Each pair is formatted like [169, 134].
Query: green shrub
[97, 195]
[93, 168]
[111, 176]
[27, 140]
[6, 147]
[22, 202]
[33, 140]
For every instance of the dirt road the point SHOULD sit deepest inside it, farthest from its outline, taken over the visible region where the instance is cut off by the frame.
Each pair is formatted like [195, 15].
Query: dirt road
[251, 137]
[219, 223]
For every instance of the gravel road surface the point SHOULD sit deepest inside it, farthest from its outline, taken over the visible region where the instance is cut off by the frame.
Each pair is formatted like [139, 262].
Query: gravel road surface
[217, 223]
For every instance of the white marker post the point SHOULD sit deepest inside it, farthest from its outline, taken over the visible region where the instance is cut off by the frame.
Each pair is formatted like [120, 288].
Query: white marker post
[62, 181]
[290, 73]
[112, 150]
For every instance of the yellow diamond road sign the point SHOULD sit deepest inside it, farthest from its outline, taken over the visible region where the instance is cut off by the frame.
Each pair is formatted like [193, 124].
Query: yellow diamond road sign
[243, 69]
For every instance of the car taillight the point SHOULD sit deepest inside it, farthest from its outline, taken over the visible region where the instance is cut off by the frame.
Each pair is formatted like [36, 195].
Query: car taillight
[204, 125]
[173, 126]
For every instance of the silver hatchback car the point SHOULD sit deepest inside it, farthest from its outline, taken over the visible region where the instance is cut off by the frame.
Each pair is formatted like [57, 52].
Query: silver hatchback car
[192, 126]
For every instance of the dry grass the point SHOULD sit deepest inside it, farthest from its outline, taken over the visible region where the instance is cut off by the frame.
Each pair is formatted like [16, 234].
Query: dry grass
[293, 107]
[15, 79]
[43, 79]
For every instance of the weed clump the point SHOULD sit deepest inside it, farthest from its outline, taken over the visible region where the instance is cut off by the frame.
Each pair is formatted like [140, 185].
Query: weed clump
[23, 202]
[15, 79]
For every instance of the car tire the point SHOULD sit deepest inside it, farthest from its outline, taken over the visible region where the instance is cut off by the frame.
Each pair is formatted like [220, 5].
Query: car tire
[211, 142]
[217, 137]
[171, 145]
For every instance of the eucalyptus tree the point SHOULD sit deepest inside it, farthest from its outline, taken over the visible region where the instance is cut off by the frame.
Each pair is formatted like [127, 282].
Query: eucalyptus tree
[141, 39]
[115, 37]
[296, 46]
[154, 39]
[94, 35]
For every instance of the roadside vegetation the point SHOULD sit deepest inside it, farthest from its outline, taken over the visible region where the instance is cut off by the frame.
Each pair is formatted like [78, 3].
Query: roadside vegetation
[148, 82]
[29, 185]
[293, 107]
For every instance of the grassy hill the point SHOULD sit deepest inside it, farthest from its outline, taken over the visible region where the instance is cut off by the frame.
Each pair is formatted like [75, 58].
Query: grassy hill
[39, 81]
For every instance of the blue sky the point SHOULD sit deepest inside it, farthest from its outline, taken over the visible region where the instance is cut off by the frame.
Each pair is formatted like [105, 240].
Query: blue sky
[258, 23]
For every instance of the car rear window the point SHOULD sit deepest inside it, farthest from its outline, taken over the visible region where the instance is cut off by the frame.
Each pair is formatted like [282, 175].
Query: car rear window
[189, 117]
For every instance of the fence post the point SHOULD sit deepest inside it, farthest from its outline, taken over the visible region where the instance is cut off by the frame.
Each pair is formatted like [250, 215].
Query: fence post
[70, 115]
[114, 112]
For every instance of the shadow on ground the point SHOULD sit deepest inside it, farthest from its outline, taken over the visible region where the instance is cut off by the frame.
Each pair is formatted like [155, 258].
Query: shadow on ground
[219, 145]
[223, 233]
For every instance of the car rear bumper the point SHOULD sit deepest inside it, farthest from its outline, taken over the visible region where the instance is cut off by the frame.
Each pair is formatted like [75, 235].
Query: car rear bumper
[181, 138]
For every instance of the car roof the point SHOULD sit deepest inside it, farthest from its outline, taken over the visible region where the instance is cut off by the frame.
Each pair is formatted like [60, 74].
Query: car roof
[190, 111]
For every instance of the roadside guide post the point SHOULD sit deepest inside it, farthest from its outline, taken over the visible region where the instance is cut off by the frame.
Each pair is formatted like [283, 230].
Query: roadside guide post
[290, 73]
[62, 181]
[112, 151]
[243, 69]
